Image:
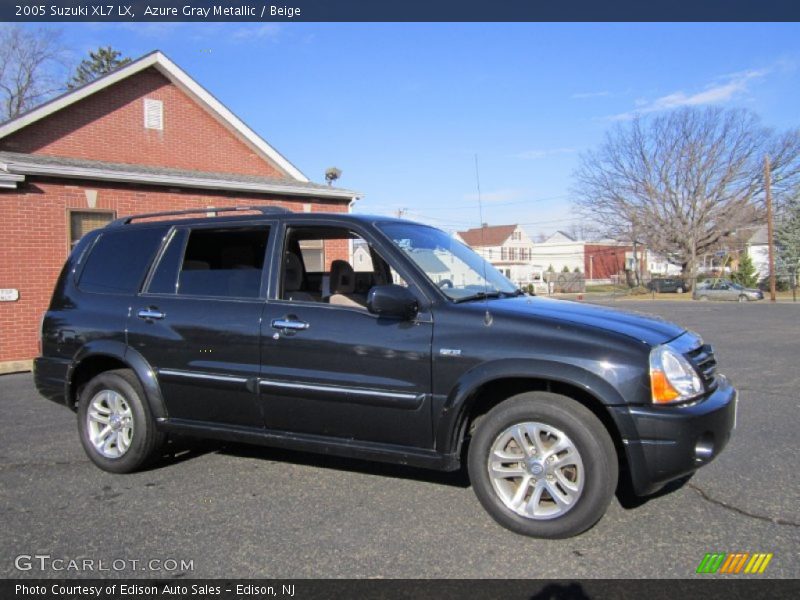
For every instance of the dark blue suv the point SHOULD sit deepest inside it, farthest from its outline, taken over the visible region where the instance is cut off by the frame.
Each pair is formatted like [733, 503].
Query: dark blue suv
[374, 338]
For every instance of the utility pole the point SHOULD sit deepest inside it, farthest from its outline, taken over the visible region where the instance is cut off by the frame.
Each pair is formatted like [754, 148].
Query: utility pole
[770, 234]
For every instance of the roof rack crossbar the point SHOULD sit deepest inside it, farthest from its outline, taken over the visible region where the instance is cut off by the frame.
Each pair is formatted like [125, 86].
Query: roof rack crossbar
[264, 210]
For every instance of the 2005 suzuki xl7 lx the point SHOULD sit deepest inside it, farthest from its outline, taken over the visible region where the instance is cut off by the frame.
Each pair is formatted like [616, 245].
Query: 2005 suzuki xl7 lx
[374, 338]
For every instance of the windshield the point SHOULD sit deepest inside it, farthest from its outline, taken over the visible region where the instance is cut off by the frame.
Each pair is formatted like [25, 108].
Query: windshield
[460, 273]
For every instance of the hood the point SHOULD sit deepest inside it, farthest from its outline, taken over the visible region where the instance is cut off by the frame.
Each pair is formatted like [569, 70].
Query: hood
[648, 329]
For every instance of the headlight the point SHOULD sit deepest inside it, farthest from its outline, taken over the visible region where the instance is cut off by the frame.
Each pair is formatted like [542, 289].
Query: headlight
[672, 377]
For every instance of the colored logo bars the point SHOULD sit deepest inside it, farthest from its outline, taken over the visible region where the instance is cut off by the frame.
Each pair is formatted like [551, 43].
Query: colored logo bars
[734, 563]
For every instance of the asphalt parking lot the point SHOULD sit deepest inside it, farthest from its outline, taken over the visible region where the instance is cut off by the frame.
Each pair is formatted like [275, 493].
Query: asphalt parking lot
[240, 511]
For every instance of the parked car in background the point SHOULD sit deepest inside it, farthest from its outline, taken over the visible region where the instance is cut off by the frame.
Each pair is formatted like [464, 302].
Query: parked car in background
[724, 289]
[667, 284]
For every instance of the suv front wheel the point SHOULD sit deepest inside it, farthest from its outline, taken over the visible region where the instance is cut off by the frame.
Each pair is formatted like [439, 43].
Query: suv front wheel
[543, 465]
[116, 428]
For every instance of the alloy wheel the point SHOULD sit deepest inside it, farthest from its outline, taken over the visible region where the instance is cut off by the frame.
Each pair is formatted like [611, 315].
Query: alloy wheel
[536, 470]
[109, 421]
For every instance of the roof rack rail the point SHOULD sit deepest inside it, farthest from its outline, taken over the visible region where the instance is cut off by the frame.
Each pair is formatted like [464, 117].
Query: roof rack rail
[264, 210]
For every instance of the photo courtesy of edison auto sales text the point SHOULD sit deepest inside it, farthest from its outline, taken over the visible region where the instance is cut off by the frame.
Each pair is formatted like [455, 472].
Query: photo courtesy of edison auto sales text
[125, 589]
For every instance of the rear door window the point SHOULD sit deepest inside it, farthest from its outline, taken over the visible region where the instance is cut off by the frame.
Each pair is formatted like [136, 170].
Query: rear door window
[118, 260]
[212, 262]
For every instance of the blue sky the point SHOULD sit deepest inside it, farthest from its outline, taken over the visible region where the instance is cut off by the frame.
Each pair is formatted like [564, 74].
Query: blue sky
[402, 109]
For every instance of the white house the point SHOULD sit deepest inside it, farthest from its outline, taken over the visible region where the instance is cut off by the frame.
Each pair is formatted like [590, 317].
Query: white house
[507, 247]
[657, 264]
[560, 250]
[758, 250]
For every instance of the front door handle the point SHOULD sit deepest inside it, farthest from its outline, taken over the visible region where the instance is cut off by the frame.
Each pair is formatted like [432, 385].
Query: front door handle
[287, 324]
[151, 313]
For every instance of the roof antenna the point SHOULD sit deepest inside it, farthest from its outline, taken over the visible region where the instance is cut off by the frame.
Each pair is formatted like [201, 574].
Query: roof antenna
[487, 317]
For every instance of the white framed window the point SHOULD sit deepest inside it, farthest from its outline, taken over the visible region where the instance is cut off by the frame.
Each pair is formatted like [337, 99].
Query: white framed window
[153, 114]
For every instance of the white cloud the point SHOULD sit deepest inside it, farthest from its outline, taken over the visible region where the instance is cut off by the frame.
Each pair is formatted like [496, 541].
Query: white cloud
[204, 31]
[543, 153]
[584, 95]
[154, 30]
[495, 196]
[263, 31]
[722, 90]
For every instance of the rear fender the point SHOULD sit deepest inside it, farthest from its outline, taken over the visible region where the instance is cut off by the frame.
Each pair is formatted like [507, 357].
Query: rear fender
[129, 357]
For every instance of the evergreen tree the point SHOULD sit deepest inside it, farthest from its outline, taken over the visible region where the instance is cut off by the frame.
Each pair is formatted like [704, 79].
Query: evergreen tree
[787, 238]
[747, 274]
[100, 62]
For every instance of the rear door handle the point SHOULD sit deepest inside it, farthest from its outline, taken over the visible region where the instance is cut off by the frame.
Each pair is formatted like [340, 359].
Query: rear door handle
[151, 313]
[286, 324]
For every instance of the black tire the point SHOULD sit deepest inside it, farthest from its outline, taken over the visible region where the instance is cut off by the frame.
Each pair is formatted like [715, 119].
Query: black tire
[743, 298]
[588, 435]
[679, 290]
[146, 441]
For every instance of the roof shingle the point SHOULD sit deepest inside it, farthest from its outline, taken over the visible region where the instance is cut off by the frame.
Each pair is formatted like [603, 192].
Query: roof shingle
[487, 236]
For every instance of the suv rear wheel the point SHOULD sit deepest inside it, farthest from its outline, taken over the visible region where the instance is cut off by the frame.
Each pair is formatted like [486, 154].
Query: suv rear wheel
[543, 465]
[116, 428]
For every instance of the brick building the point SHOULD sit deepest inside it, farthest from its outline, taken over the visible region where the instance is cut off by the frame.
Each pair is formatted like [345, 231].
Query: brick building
[145, 138]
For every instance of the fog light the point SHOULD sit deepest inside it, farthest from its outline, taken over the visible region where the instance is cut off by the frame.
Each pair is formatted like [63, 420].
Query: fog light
[704, 448]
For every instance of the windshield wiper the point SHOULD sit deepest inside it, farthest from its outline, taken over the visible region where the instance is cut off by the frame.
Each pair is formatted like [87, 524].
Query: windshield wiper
[478, 296]
[514, 294]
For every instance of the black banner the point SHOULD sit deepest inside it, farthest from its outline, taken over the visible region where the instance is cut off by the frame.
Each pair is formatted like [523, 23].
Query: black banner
[404, 10]
[304, 589]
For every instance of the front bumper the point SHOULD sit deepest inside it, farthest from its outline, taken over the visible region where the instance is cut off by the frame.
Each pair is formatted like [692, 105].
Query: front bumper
[673, 441]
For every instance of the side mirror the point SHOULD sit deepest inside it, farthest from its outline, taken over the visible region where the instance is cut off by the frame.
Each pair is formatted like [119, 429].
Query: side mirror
[392, 301]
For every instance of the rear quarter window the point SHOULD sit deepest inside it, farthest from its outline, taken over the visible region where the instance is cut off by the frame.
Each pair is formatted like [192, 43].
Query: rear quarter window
[118, 260]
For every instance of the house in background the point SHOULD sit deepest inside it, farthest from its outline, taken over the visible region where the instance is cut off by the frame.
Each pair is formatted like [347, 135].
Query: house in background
[560, 251]
[758, 249]
[658, 266]
[144, 138]
[510, 249]
[507, 247]
[599, 261]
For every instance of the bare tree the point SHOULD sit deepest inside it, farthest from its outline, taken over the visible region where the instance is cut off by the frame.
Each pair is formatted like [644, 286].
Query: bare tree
[582, 231]
[30, 65]
[684, 181]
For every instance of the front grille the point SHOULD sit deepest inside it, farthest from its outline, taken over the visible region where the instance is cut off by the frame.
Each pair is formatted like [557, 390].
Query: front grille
[703, 359]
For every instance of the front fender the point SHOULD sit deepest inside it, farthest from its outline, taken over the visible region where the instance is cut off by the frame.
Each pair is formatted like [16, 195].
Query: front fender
[131, 358]
[460, 400]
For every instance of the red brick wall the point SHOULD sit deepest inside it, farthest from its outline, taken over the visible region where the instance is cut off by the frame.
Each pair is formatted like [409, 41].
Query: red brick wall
[606, 261]
[34, 227]
[109, 126]
[336, 250]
